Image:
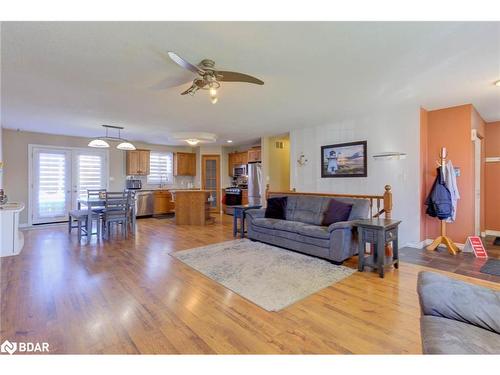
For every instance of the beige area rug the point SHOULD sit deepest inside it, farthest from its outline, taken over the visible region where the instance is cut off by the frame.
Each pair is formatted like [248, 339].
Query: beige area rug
[268, 276]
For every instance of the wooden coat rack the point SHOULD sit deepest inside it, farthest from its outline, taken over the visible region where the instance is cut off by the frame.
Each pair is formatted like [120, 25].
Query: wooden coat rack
[443, 238]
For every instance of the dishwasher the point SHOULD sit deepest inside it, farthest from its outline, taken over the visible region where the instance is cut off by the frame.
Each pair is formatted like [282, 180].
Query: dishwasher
[144, 201]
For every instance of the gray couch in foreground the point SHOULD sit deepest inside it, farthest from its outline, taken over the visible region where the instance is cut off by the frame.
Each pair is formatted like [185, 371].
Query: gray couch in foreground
[457, 317]
[302, 230]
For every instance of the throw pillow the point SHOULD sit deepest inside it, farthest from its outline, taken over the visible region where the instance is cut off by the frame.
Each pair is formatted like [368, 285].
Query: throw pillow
[276, 208]
[336, 211]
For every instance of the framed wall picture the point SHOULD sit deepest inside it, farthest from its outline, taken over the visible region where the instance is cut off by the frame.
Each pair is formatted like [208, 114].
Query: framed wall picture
[344, 160]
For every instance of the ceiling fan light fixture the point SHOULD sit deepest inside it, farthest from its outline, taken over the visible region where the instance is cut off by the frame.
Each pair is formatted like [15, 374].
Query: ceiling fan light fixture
[98, 143]
[192, 141]
[126, 146]
[214, 99]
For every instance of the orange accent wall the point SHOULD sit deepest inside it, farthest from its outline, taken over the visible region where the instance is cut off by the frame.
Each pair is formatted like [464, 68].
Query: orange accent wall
[450, 128]
[492, 176]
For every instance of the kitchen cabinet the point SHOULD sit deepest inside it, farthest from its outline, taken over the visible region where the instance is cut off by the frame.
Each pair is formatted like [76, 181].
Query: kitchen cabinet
[244, 196]
[254, 155]
[137, 163]
[163, 203]
[236, 158]
[184, 164]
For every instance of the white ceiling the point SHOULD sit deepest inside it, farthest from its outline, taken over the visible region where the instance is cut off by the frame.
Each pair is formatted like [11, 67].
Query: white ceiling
[71, 77]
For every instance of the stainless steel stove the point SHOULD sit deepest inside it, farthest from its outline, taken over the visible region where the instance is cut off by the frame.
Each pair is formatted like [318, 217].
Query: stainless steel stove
[234, 196]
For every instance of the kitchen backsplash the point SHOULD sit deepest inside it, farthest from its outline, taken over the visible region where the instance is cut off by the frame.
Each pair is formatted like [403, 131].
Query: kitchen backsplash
[180, 182]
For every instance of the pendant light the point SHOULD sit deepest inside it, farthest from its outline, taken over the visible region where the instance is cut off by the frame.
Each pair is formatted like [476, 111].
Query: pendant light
[100, 142]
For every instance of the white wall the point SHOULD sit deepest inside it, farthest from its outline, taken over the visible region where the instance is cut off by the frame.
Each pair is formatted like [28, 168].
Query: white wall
[385, 130]
[1, 159]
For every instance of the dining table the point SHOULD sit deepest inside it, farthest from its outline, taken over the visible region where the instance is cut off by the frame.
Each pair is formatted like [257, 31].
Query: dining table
[96, 203]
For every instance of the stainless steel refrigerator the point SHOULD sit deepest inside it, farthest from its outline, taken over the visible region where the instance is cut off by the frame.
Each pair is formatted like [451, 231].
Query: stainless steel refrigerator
[254, 183]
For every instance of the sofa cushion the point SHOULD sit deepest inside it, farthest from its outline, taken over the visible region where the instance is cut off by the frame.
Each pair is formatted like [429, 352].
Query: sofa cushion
[447, 336]
[300, 232]
[276, 208]
[314, 231]
[289, 226]
[307, 209]
[453, 299]
[264, 222]
[336, 211]
[294, 230]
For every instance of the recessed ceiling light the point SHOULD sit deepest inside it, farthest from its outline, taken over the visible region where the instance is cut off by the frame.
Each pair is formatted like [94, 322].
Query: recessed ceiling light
[497, 83]
[229, 141]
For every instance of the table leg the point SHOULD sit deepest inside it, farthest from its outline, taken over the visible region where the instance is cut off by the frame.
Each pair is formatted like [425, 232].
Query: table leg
[395, 253]
[235, 223]
[381, 252]
[89, 222]
[361, 253]
[242, 223]
[134, 219]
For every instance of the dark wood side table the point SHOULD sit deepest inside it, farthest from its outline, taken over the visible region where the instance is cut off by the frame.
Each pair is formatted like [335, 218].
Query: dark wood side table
[378, 232]
[239, 213]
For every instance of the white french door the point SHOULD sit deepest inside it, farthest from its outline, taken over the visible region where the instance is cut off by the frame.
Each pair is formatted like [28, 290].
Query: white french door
[51, 199]
[60, 176]
[89, 172]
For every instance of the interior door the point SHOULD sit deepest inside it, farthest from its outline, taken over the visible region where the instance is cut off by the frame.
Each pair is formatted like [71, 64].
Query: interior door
[210, 176]
[51, 194]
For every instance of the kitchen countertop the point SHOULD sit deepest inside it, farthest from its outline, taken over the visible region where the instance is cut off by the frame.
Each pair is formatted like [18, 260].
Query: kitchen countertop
[160, 189]
[190, 191]
[13, 206]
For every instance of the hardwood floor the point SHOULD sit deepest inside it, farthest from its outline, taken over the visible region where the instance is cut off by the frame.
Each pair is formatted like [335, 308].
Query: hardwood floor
[131, 296]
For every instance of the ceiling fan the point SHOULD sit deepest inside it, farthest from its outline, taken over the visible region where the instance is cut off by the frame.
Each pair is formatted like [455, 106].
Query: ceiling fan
[209, 77]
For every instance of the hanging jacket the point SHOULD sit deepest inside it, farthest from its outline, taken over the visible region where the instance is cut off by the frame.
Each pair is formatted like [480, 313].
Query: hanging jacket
[438, 201]
[450, 179]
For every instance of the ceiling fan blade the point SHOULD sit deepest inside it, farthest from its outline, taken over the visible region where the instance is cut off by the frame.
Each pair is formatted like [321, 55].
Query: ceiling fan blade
[172, 82]
[191, 90]
[237, 77]
[183, 63]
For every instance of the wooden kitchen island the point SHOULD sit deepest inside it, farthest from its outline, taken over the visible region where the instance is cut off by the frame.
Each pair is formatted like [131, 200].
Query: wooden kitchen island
[192, 207]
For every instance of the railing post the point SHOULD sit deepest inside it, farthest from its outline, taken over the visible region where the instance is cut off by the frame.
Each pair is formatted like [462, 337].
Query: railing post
[388, 201]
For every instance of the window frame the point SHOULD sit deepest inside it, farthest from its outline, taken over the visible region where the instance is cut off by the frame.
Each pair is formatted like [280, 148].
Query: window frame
[156, 180]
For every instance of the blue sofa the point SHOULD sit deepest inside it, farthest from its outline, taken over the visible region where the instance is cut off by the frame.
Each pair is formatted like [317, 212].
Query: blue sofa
[302, 230]
[458, 317]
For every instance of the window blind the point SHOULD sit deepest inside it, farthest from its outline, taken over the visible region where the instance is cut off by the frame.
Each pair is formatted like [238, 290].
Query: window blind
[51, 185]
[161, 168]
[90, 173]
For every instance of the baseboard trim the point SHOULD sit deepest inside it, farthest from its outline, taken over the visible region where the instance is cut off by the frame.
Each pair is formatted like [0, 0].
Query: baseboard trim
[495, 233]
[428, 241]
[418, 245]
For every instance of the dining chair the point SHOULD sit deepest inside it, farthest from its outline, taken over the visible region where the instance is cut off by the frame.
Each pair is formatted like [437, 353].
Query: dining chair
[96, 194]
[116, 211]
[80, 216]
[131, 210]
